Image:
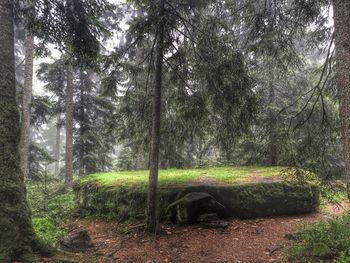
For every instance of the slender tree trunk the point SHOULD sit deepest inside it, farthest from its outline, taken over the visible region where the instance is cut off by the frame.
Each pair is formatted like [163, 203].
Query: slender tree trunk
[69, 130]
[152, 223]
[16, 233]
[58, 144]
[342, 44]
[26, 104]
[82, 125]
[273, 147]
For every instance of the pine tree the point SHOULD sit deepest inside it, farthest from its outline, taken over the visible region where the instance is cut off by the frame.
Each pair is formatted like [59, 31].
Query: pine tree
[94, 138]
[69, 99]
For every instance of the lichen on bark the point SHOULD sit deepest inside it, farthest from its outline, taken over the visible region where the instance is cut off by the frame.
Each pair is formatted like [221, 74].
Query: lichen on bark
[26, 104]
[16, 232]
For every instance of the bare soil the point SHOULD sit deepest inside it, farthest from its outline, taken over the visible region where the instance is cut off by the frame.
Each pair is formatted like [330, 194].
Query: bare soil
[244, 241]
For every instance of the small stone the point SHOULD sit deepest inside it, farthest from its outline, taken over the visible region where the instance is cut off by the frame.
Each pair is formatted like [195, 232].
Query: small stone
[208, 217]
[215, 224]
[78, 241]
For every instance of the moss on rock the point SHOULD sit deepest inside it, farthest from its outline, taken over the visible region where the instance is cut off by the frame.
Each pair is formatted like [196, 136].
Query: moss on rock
[118, 202]
[263, 199]
[244, 201]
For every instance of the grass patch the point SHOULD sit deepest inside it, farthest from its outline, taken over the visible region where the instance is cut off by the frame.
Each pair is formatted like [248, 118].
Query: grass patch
[323, 241]
[178, 177]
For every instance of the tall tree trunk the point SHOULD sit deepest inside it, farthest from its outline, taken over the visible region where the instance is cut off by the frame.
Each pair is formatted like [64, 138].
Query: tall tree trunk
[152, 223]
[26, 104]
[342, 45]
[82, 125]
[58, 144]
[272, 147]
[16, 233]
[69, 130]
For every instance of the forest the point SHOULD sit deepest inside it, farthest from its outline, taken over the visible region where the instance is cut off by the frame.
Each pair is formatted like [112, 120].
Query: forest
[174, 131]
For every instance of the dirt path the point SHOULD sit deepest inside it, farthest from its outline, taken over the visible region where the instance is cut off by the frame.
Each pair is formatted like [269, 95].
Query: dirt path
[244, 241]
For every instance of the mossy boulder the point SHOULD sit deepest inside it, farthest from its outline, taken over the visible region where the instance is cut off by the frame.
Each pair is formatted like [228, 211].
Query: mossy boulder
[240, 200]
[190, 207]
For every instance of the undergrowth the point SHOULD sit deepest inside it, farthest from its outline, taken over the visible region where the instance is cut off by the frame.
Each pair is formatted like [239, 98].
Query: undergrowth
[51, 208]
[50, 201]
[327, 240]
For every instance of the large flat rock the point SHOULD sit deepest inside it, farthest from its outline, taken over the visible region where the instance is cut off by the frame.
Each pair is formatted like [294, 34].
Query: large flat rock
[248, 200]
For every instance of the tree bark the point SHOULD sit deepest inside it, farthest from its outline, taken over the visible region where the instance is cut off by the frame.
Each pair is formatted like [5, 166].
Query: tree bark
[58, 144]
[272, 147]
[82, 125]
[69, 130]
[152, 222]
[16, 233]
[342, 45]
[26, 104]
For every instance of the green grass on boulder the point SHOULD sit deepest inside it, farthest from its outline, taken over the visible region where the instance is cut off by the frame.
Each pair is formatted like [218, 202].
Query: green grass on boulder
[180, 177]
[245, 191]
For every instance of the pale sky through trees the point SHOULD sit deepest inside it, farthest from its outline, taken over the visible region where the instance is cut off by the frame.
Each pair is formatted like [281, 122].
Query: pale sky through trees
[55, 54]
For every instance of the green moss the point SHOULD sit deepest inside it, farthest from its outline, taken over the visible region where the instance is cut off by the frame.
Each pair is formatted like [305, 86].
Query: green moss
[47, 231]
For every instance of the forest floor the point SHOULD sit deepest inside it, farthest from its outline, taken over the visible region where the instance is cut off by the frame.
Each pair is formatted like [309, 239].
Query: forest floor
[243, 241]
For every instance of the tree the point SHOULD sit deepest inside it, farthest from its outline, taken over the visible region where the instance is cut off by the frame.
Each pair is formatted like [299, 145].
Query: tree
[71, 24]
[204, 85]
[26, 103]
[342, 44]
[93, 137]
[156, 112]
[54, 75]
[57, 152]
[16, 232]
[68, 180]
